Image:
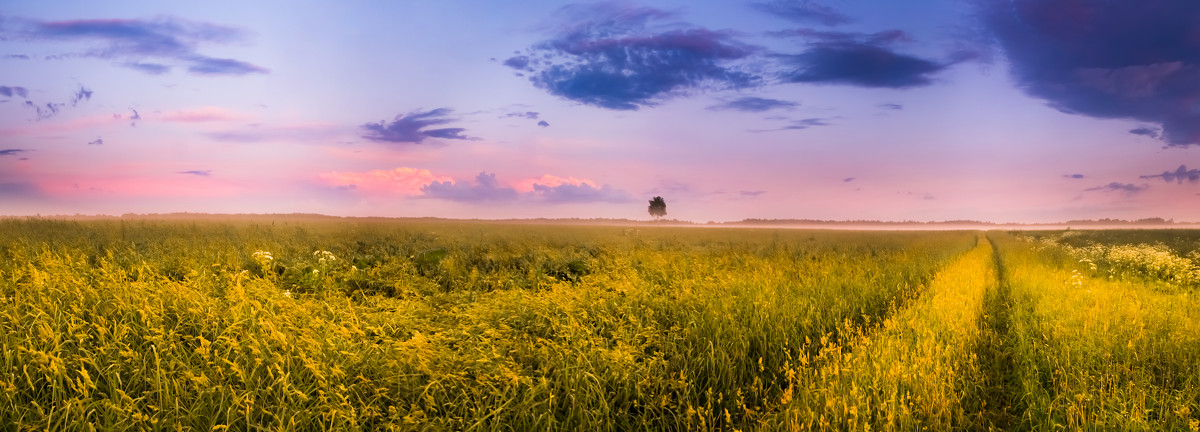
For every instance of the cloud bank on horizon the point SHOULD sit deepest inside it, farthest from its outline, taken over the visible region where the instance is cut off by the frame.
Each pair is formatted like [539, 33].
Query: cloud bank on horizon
[734, 110]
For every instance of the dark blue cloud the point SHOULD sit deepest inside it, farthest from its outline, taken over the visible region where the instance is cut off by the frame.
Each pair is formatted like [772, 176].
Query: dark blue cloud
[1145, 131]
[608, 56]
[201, 173]
[1127, 188]
[7, 91]
[1179, 175]
[12, 152]
[17, 56]
[581, 193]
[412, 127]
[861, 65]
[752, 104]
[1106, 59]
[131, 41]
[803, 11]
[860, 59]
[485, 189]
[543, 124]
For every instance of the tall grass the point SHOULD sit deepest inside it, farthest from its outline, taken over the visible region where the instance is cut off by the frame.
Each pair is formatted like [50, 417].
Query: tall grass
[1096, 352]
[122, 325]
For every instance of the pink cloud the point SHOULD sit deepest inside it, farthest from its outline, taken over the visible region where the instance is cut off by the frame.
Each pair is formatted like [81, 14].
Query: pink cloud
[203, 114]
[403, 180]
[526, 185]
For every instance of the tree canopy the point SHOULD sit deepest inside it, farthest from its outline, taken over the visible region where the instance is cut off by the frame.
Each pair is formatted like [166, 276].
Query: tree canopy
[658, 207]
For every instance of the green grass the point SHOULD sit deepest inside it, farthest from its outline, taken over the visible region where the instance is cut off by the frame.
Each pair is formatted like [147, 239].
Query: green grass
[426, 325]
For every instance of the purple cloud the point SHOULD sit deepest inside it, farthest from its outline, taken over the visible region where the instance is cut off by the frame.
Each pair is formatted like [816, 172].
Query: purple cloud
[751, 194]
[752, 104]
[411, 128]
[570, 193]
[606, 55]
[148, 68]
[527, 114]
[803, 11]
[1073, 176]
[81, 94]
[1145, 131]
[7, 91]
[97, 141]
[519, 62]
[848, 179]
[12, 152]
[891, 106]
[1111, 59]
[1127, 188]
[485, 189]
[1179, 175]
[543, 123]
[131, 41]
[201, 173]
[215, 66]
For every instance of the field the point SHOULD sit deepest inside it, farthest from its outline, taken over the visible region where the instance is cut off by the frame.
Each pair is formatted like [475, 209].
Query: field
[296, 324]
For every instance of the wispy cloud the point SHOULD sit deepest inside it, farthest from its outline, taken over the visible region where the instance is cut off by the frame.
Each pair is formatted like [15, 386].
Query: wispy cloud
[803, 11]
[1110, 59]
[1125, 188]
[1074, 176]
[859, 59]
[611, 56]
[142, 45]
[413, 127]
[1179, 175]
[12, 152]
[891, 106]
[752, 104]
[201, 173]
[97, 141]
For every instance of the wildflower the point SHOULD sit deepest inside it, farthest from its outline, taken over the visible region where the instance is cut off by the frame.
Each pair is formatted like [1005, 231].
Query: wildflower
[323, 256]
[287, 293]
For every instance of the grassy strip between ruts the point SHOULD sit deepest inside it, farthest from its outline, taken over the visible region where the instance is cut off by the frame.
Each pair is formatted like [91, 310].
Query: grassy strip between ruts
[919, 371]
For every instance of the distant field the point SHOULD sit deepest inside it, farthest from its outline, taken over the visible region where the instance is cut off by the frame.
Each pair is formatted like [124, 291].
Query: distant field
[437, 325]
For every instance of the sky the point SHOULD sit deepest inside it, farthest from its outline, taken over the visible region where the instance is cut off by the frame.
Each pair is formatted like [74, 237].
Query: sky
[989, 110]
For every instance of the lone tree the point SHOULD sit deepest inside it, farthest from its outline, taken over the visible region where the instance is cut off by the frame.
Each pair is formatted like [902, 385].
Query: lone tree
[658, 207]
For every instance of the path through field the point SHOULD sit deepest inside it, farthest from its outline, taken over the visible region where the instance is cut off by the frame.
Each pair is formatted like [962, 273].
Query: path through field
[941, 362]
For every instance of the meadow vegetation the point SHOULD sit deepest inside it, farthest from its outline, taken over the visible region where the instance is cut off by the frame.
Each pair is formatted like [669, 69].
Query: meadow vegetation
[436, 325]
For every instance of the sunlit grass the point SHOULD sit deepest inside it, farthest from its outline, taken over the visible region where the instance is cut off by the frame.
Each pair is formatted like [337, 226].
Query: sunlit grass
[375, 325]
